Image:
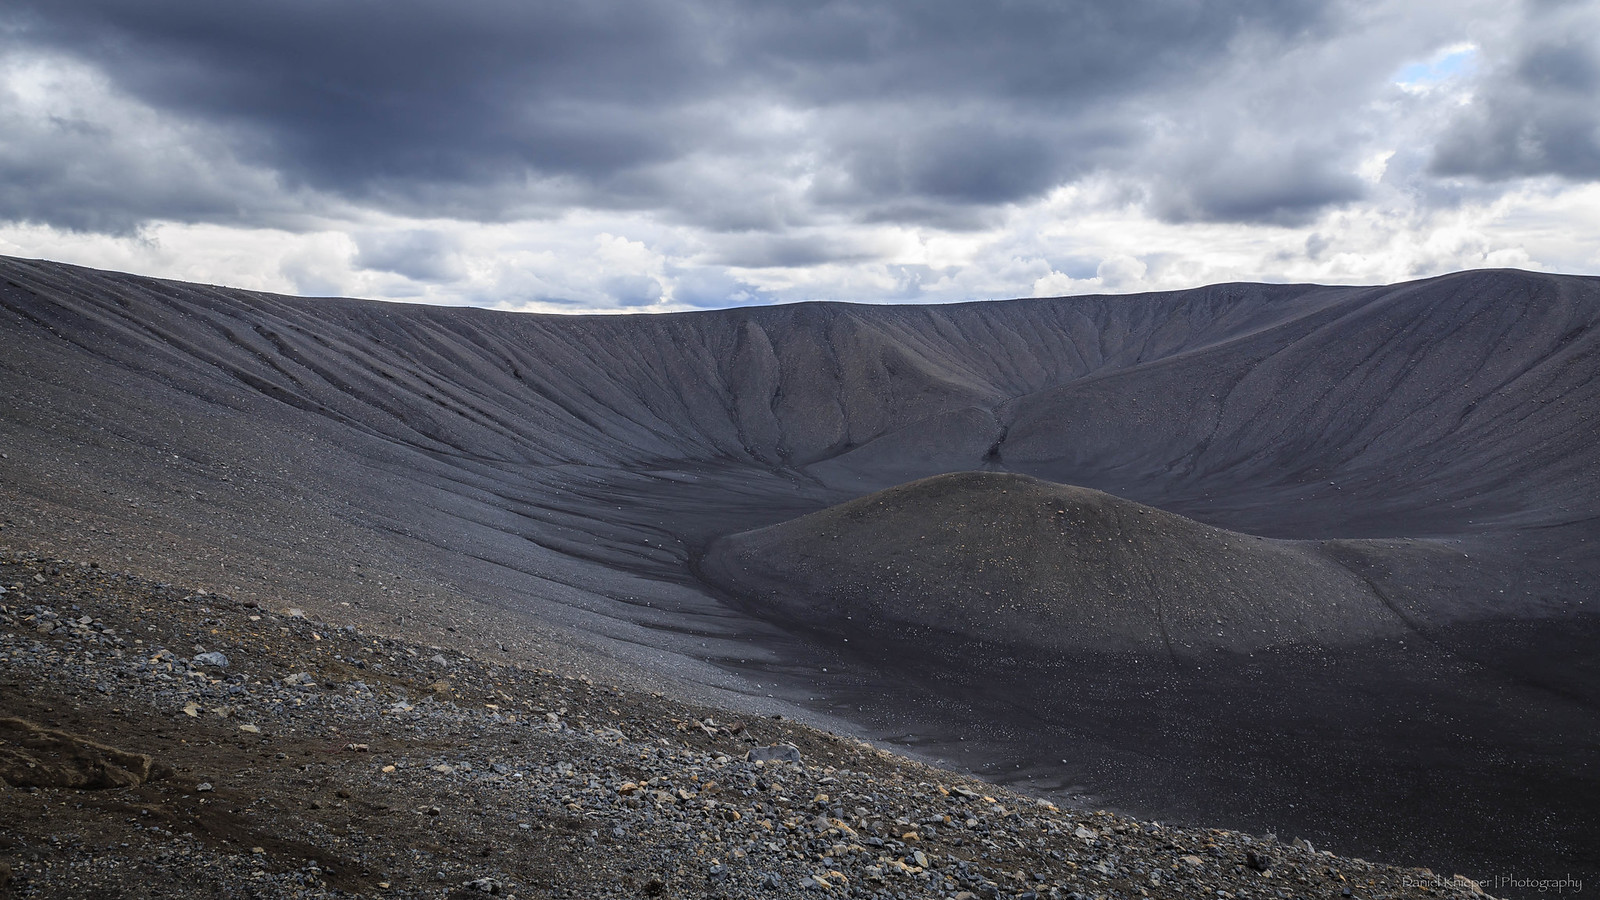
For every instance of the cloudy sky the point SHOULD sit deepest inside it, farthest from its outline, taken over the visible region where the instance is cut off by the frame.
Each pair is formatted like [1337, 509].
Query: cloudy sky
[644, 155]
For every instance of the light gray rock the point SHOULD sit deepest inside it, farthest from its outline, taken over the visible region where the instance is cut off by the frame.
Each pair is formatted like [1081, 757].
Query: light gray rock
[776, 753]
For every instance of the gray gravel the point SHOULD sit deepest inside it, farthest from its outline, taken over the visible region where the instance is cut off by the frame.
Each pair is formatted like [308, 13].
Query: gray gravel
[326, 761]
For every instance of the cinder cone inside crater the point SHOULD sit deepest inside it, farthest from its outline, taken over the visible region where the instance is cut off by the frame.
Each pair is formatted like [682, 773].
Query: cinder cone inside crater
[1020, 561]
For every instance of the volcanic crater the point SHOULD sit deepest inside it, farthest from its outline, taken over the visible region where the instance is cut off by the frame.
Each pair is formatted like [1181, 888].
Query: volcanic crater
[1295, 557]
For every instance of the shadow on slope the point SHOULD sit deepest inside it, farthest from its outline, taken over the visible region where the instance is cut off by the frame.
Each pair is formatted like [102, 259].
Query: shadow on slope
[1076, 642]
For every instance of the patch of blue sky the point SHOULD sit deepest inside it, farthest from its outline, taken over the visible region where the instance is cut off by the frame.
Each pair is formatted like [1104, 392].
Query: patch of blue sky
[1451, 62]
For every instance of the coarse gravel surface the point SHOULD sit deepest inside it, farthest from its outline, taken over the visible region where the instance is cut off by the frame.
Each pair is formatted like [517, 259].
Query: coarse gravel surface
[288, 757]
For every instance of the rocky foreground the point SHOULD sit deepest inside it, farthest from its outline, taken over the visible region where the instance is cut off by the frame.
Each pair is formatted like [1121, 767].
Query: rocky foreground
[162, 742]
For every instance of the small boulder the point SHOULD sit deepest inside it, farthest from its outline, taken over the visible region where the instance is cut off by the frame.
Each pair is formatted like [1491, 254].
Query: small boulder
[215, 659]
[788, 753]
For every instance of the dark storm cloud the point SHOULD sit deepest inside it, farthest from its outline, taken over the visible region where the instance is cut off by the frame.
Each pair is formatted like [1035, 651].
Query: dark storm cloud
[1041, 51]
[955, 163]
[349, 93]
[908, 164]
[44, 184]
[930, 112]
[757, 251]
[85, 169]
[1276, 185]
[1536, 113]
[417, 254]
